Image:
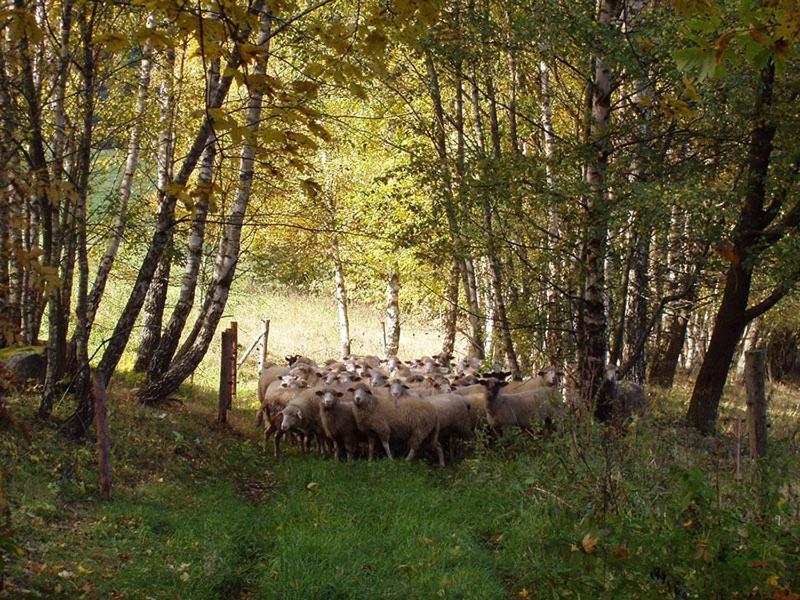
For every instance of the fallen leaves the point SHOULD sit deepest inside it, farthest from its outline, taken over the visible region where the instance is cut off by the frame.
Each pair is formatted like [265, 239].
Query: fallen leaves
[589, 543]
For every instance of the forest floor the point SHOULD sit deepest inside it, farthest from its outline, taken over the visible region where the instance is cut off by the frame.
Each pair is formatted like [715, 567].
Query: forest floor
[201, 512]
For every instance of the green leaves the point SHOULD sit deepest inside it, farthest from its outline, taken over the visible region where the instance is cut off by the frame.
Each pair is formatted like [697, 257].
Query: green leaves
[698, 61]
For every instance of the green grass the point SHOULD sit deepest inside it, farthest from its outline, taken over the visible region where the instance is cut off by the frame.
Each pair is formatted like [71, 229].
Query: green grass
[200, 512]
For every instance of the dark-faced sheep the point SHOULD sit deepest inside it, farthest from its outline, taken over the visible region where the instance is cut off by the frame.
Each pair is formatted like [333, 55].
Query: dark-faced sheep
[414, 422]
[627, 397]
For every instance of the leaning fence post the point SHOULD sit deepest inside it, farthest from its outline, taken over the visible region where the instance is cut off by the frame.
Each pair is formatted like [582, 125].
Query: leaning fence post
[756, 402]
[262, 352]
[225, 377]
[234, 356]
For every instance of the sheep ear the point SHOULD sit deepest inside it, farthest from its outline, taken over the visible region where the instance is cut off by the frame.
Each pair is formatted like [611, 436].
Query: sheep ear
[351, 389]
[338, 394]
[319, 393]
[502, 383]
[284, 384]
[385, 385]
[300, 415]
[541, 373]
[405, 387]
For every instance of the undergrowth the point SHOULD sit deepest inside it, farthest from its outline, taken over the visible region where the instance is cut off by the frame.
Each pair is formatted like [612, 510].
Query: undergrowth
[201, 512]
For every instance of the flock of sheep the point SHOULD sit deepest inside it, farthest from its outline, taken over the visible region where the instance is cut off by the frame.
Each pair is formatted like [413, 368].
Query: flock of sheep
[429, 404]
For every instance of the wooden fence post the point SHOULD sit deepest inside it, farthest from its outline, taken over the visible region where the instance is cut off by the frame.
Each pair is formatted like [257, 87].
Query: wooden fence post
[103, 439]
[756, 402]
[225, 377]
[262, 351]
[234, 356]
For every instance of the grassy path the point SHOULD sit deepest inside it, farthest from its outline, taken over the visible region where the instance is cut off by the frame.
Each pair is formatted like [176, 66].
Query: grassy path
[203, 513]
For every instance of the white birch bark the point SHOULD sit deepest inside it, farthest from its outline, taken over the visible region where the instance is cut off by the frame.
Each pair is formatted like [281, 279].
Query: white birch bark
[187, 360]
[131, 163]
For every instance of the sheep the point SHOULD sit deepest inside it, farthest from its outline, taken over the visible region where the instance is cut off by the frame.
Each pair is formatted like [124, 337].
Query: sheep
[378, 379]
[267, 376]
[464, 379]
[414, 421]
[521, 409]
[475, 397]
[468, 365]
[275, 398]
[628, 398]
[299, 359]
[547, 377]
[302, 414]
[338, 422]
[455, 420]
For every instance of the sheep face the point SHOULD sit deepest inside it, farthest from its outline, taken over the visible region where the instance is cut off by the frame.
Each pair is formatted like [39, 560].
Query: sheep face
[550, 376]
[292, 418]
[493, 387]
[329, 398]
[291, 382]
[378, 379]
[362, 397]
[397, 388]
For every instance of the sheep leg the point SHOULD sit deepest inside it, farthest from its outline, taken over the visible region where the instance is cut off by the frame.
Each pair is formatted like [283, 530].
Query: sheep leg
[388, 448]
[371, 446]
[278, 436]
[412, 451]
[439, 451]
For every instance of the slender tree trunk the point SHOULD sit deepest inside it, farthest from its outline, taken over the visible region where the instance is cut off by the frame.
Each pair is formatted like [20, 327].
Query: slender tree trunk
[162, 235]
[171, 335]
[81, 419]
[451, 313]
[749, 342]
[392, 314]
[491, 246]
[225, 268]
[131, 163]
[594, 355]
[341, 302]
[636, 327]
[153, 316]
[465, 263]
[663, 371]
[554, 340]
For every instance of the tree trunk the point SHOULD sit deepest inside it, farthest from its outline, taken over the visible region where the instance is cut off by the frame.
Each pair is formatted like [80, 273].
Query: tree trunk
[451, 313]
[153, 316]
[162, 235]
[750, 238]
[341, 302]
[554, 315]
[81, 420]
[753, 331]
[663, 371]
[594, 355]
[392, 314]
[171, 335]
[491, 246]
[460, 246]
[131, 163]
[225, 267]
